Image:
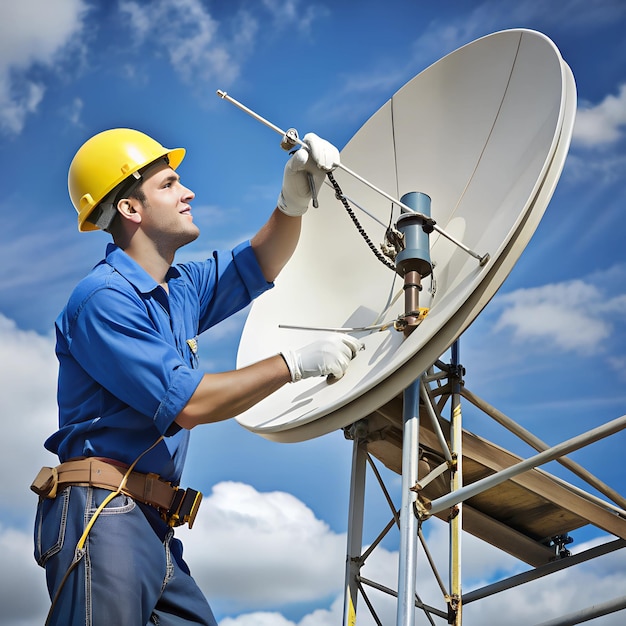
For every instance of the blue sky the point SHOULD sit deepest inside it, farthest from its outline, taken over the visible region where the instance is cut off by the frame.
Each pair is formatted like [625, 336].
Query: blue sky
[269, 547]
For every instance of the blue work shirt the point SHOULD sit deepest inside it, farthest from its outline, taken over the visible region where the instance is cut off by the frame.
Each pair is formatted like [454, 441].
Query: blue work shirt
[128, 359]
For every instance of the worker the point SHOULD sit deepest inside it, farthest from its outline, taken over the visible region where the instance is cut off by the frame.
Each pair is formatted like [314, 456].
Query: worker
[129, 387]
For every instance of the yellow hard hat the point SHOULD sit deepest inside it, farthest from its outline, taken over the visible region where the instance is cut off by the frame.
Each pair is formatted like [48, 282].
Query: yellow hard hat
[107, 159]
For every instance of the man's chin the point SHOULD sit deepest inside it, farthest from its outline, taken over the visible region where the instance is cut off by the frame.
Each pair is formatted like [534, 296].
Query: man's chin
[188, 236]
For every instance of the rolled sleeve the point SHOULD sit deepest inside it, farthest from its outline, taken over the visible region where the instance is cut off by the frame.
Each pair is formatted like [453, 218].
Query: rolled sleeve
[183, 383]
[250, 270]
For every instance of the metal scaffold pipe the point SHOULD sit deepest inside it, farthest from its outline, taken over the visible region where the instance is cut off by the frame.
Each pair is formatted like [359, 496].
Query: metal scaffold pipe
[540, 446]
[551, 454]
[596, 610]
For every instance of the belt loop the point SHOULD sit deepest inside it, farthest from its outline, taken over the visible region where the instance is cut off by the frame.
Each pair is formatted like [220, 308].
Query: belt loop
[94, 471]
[148, 486]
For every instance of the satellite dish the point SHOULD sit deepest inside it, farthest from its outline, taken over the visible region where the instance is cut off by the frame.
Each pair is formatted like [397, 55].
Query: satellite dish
[484, 132]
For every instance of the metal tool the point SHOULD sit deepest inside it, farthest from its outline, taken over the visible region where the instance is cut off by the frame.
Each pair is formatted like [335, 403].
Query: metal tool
[292, 136]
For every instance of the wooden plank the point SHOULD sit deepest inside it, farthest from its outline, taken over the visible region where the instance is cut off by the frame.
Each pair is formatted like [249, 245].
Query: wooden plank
[532, 507]
[498, 534]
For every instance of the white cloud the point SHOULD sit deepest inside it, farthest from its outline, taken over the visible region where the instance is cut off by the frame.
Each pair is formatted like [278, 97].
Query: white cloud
[618, 363]
[23, 597]
[33, 33]
[381, 567]
[261, 550]
[576, 315]
[257, 619]
[252, 550]
[192, 38]
[264, 543]
[203, 49]
[600, 171]
[602, 124]
[319, 617]
[17, 102]
[292, 13]
[74, 110]
[326, 617]
[28, 403]
[559, 594]
[584, 318]
[576, 13]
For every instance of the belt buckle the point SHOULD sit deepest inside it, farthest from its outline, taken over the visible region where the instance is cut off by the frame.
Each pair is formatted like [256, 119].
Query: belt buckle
[184, 507]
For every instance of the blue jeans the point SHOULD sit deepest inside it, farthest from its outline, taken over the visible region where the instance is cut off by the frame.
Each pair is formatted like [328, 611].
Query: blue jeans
[132, 572]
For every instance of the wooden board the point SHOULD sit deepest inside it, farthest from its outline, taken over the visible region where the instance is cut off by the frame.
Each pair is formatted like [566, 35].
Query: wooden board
[519, 516]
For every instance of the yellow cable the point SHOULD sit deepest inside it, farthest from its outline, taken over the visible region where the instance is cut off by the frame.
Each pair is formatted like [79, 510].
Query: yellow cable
[92, 521]
[79, 551]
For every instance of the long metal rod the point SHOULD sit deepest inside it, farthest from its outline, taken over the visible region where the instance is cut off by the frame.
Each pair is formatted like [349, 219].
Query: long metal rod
[405, 615]
[456, 483]
[370, 606]
[381, 535]
[543, 570]
[355, 531]
[418, 603]
[533, 441]
[596, 610]
[588, 496]
[483, 259]
[383, 488]
[431, 562]
[430, 411]
[337, 329]
[555, 452]
[358, 206]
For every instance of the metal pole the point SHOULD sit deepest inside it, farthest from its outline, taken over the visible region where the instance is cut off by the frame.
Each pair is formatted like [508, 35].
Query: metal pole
[434, 422]
[540, 446]
[407, 558]
[596, 610]
[483, 259]
[456, 483]
[355, 528]
[557, 451]
[543, 570]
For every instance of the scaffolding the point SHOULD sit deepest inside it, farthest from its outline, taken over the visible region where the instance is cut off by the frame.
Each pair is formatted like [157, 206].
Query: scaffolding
[477, 487]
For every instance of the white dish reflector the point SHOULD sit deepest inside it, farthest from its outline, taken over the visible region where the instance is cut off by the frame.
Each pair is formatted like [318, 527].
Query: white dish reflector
[484, 132]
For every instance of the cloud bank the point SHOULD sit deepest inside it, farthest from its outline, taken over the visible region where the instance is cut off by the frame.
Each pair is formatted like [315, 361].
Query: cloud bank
[34, 34]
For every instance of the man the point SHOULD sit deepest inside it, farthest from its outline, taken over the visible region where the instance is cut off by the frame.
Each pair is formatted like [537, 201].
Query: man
[129, 390]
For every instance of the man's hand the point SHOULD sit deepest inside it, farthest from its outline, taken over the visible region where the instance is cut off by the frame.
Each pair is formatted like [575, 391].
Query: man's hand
[306, 166]
[329, 356]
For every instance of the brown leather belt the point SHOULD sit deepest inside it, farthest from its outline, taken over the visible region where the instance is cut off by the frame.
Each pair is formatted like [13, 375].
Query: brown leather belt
[177, 506]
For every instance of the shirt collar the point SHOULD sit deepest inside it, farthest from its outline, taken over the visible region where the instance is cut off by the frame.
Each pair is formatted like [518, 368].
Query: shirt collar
[132, 271]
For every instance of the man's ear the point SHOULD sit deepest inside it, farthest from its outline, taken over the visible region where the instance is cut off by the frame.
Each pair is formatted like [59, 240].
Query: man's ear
[126, 208]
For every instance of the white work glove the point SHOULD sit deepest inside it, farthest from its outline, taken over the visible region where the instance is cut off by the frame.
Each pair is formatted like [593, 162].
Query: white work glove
[321, 157]
[324, 357]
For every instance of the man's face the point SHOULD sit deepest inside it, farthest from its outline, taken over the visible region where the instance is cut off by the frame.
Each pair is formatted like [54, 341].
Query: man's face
[166, 213]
